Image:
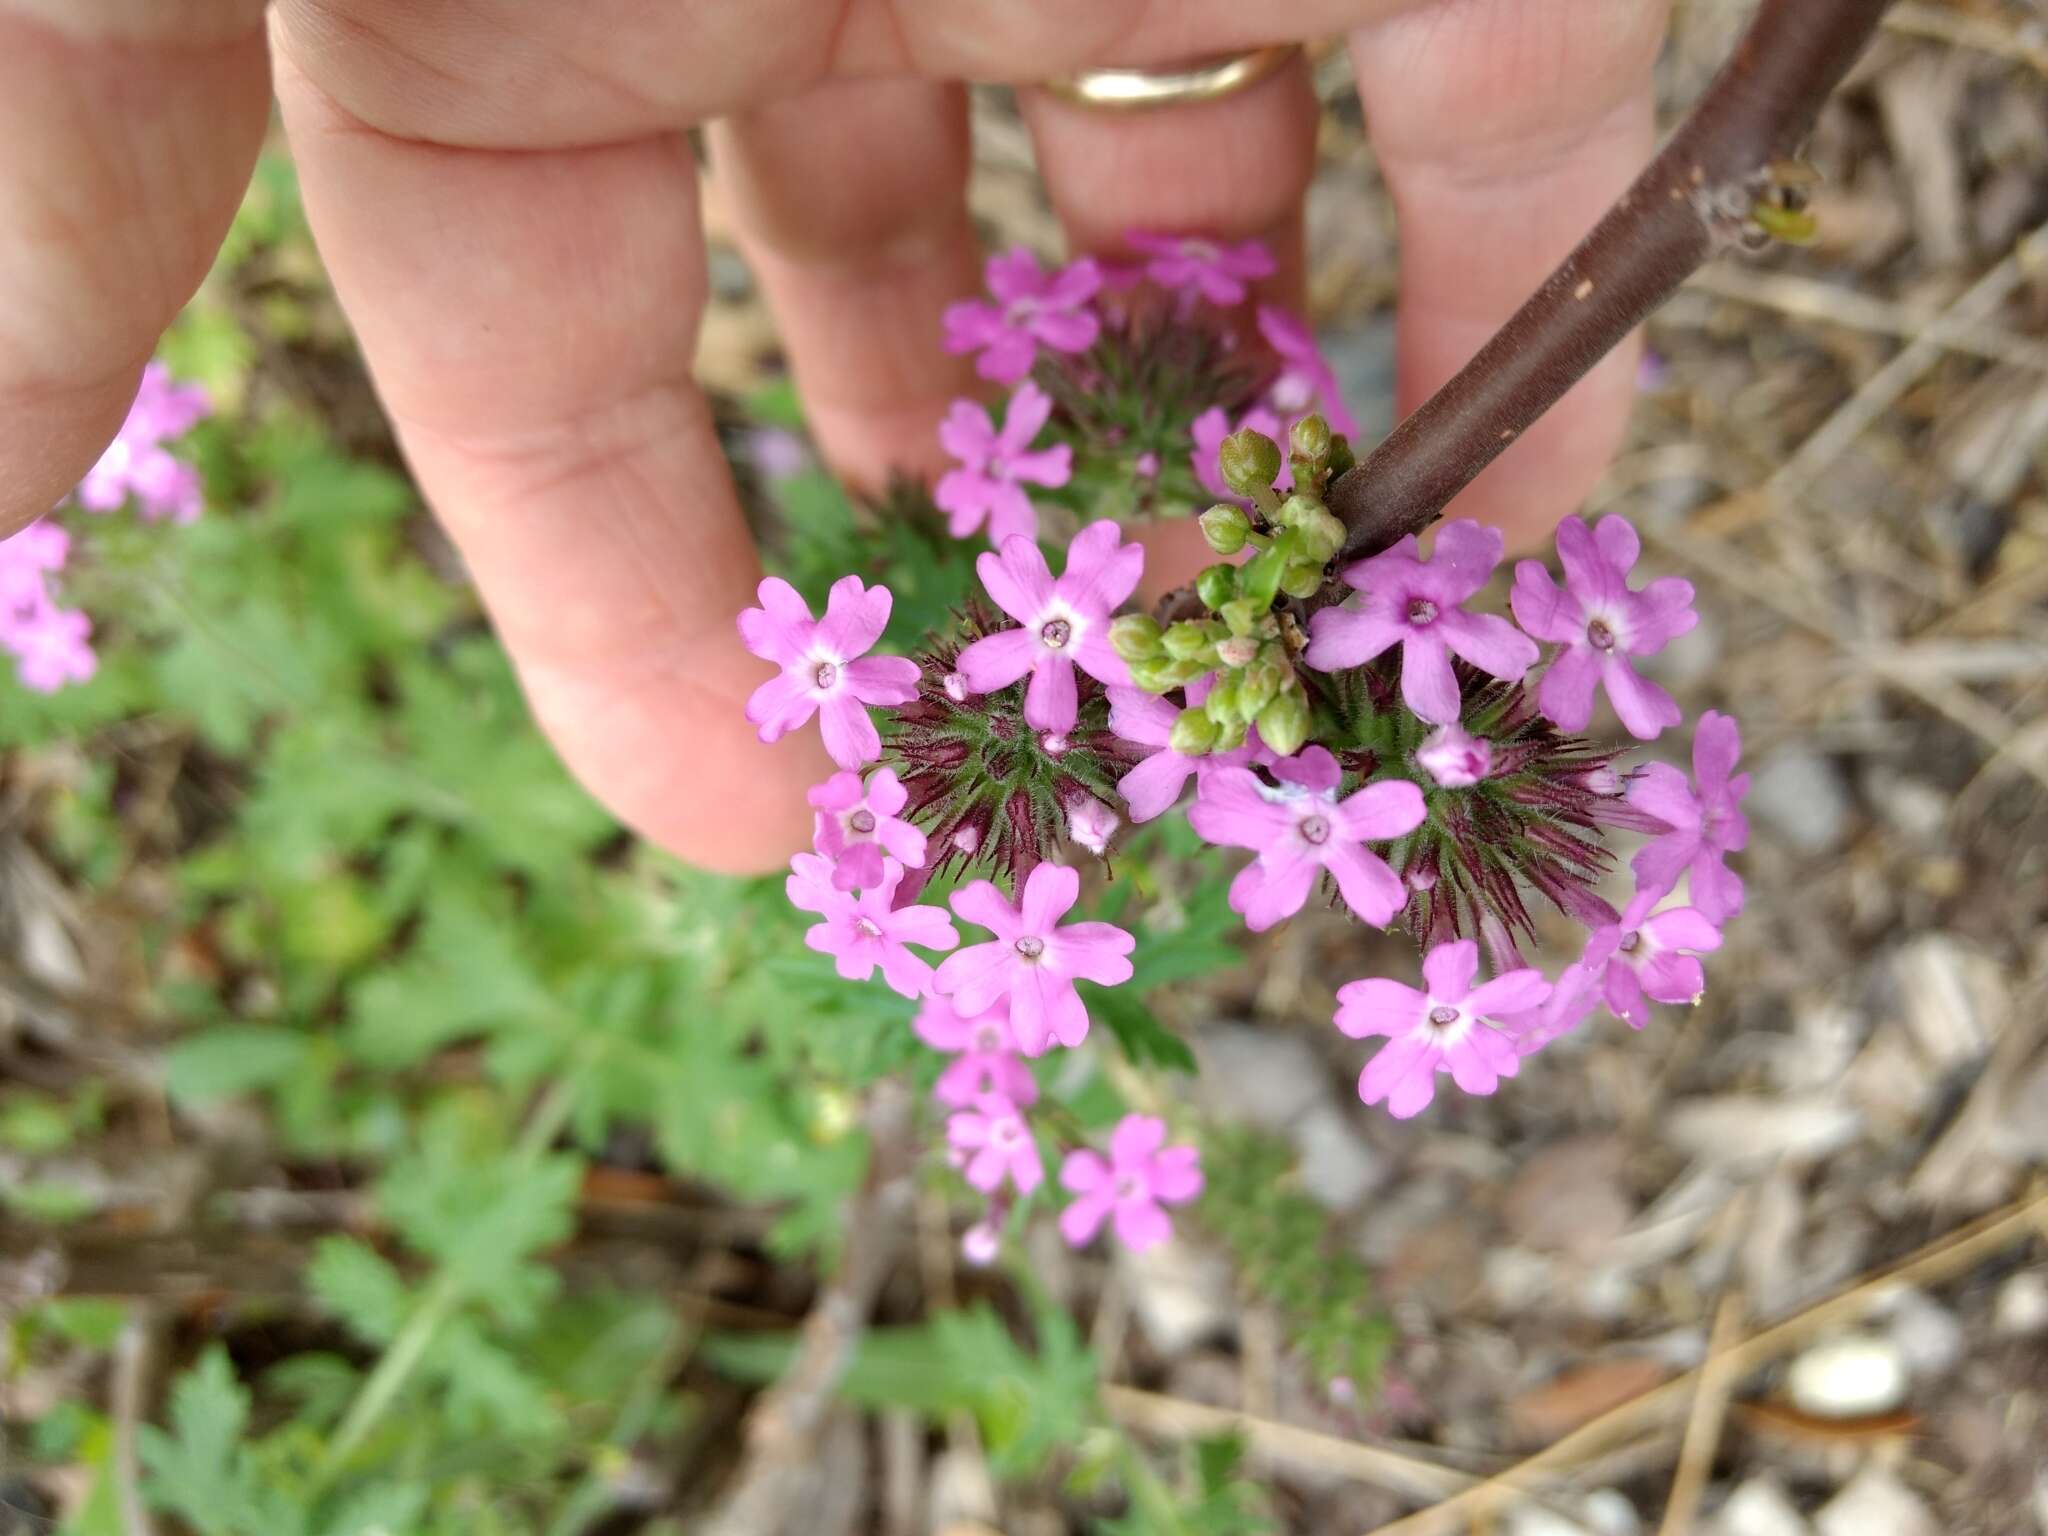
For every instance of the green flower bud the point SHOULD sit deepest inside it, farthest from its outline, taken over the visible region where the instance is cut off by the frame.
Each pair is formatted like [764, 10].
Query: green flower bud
[1187, 641]
[1322, 536]
[1225, 701]
[1216, 586]
[1249, 462]
[1260, 684]
[1226, 528]
[1237, 652]
[1194, 733]
[1302, 578]
[1156, 674]
[1242, 614]
[1259, 578]
[1230, 737]
[1310, 440]
[1135, 637]
[1297, 511]
[1283, 724]
[1341, 456]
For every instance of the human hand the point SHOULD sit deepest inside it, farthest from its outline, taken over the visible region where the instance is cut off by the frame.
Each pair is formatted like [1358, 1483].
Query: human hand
[507, 207]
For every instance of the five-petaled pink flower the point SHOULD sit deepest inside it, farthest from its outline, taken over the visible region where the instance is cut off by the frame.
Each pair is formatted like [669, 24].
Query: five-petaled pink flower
[1146, 720]
[51, 646]
[1414, 603]
[1447, 1025]
[996, 466]
[137, 464]
[865, 931]
[825, 666]
[1573, 997]
[984, 1051]
[1454, 757]
[992, 1142]
[1706, 824]
[1306, 381]
[1207, 269]
[1033, 306]
[1064, 623]
[1140, 1174]
[1300, 828]
[1641, 958]
[1601, 623]
[1033, 960]
[1208, 431]
[856, 824]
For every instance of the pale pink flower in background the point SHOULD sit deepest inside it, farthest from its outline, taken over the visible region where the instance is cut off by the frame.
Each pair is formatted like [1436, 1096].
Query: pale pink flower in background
[1573, 997]
[1706, 824]
[826, 670]
[1092, 824]
[1208, 431]
[1300, 829]
[1455, 758]
[1032, 307]
[857, 823]
[1413, 602]
[136, 464]
[1206, 269]
[1600, 623]
[1146, 720]
[1447, 1025]
[1064, 623]
[51, 646]
[1643, 958]
[865, 932]
[996, 466]
[1140, 1175]
[980, 1243]
[1034, 961]
[993, 1143]
[1306, 381]
[984, 1052]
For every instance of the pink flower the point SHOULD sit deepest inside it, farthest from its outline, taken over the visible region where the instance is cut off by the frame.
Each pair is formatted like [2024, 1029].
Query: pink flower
[137, 464]
[1573, 997]
[1306, 381]
[1065, 623]
[1033, 960]
[980, 1244]
[1414, 602]
[1641, 958]
[1706, 824]
[993, 1143]
[825, 666]
[1455, 758]
[1444, 1026]
[1146, 720]
[1091, 824]
[984, 1052]
[1142, 1172]
[865, 931]
[1300, 828]
[856, 825]
[996, 466]
[1203, 268]
[1032, 306]
[51, 646]
[1601, 623]
[1212, 426]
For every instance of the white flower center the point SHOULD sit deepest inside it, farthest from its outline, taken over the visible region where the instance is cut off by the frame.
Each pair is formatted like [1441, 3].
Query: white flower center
[1055, 634]
[1315, 830]
[866, 928]
[826, 676]
[1030, 946]
[862, 821]
[1006, 1132]
[1421, 611]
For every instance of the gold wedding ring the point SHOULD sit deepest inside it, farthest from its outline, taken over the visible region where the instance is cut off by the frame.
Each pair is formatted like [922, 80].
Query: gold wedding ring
[1138, 90]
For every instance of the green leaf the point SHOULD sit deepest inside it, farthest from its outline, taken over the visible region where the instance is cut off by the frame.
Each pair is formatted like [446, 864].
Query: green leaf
[201, 1470]
[359, 1286]
[232, 1059]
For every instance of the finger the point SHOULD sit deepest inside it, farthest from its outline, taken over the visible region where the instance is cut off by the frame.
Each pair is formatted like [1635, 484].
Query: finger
[1505, 129]
[850, 200]
[130, 132]
[529, 317]
[1237, 168]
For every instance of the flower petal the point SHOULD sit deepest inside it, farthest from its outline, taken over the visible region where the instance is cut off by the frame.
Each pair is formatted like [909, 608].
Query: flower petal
[1049, 893]
[855, 616]
[1448, 970]
[998, 660]
[1428, 685]
[1053, 701]
[850, 735]
[1644, 708]
[1017, 578]
[1378, 1005]
[1488, 641]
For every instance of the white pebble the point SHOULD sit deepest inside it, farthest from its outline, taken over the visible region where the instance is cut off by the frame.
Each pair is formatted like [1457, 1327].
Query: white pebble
[1760, 1508]
[2022, 1305]
[1848, 1378]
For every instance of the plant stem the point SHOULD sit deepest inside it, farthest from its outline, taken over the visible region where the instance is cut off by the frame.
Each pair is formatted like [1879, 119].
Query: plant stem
[1693, 200]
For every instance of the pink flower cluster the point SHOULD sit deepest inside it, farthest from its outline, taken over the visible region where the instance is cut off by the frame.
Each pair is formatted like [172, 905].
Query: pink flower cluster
[51, 644]
[1061, 314]
[994, 1004]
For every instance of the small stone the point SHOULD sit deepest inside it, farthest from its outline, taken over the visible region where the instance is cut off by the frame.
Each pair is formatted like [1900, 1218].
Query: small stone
[1181, 1294]
[1850, 1377]
[1265, 1076]
[2021, 1309]
[1760, 1508]
[1739, 1130]
[1953, 997]
[1875, 1504]
[1535, 1520]
[1608, 1512]
[1337, 1168]
[1927, 1334]
[1800, 795]
[1569, 1198]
